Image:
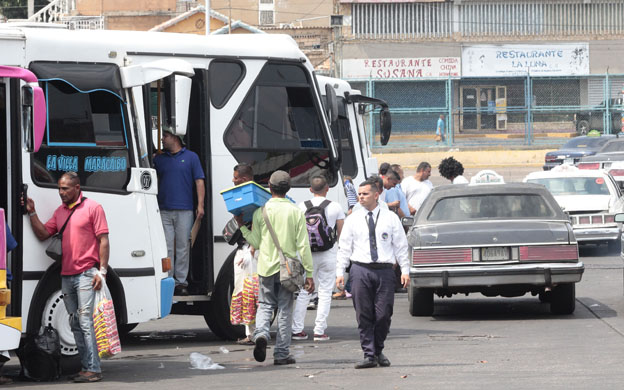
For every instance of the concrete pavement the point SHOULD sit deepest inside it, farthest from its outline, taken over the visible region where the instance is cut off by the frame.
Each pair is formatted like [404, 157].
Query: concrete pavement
[469, 158]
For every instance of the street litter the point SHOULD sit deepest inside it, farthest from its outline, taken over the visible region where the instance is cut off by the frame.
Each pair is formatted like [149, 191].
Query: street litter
[161, 365]
[224, 350]
[203, 362]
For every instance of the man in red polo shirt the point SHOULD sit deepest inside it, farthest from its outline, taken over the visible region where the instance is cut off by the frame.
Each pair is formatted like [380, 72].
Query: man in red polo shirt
[84, 264]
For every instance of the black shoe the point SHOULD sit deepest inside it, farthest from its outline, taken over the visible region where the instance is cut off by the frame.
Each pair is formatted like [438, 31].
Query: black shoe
[383, 360]
[400, 290]
[366, 363]
[180, 290]
[287, 360]
[259, 351]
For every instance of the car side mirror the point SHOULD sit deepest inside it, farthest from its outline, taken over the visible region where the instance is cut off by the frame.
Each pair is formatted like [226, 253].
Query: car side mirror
[619, 217]
[385, 125]
[409, 221]
[332, 103]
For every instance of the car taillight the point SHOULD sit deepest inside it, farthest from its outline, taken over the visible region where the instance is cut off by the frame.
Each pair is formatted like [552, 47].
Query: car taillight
[550, 158]
[617, 172]
[437, 256]
[609, 218]
[596, 219]
[588, 166]
[583, 220]
[549, 252]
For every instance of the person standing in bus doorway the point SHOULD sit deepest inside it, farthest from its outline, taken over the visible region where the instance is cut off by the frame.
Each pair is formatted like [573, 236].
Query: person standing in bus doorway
[244, 260]
[324, 219]
[84, 264]
[179, 170]
[372, 251]
[289, 224]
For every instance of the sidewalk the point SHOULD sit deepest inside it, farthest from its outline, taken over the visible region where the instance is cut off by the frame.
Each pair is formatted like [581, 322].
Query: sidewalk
[469, 158]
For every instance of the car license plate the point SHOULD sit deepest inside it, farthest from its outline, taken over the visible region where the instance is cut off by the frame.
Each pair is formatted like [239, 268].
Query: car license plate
[495, 253]
[569, 161]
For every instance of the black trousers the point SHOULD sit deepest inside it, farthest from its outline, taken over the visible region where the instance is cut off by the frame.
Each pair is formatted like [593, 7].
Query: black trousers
[373, 300]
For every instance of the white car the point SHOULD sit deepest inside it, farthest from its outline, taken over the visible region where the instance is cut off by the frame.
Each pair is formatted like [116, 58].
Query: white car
[590, 197]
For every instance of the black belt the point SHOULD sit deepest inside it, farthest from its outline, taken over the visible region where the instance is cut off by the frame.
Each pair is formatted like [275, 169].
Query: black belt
[374, 265]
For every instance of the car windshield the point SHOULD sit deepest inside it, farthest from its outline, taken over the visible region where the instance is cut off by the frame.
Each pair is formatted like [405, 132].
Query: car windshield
[614, 146]
[574, 185]
[475, 207]
[585, 142]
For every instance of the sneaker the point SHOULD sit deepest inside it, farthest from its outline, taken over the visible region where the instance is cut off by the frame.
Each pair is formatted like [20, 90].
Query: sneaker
[348, 294]
[321, 337]
[300, 336]
[313, 304]
[339, 295]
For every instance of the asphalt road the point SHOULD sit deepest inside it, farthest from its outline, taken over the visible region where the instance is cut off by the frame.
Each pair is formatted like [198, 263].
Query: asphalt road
[471, 342]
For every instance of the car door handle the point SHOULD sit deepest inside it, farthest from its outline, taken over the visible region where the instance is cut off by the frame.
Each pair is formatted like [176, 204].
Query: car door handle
[139, 253]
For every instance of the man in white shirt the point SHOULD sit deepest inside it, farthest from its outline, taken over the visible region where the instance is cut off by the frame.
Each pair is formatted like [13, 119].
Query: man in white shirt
[417, 187]
[453, 170]
[324, 260]
[379, 184]
[372, 251]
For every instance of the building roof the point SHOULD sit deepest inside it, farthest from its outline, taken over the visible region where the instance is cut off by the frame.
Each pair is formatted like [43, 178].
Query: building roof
[213, 14]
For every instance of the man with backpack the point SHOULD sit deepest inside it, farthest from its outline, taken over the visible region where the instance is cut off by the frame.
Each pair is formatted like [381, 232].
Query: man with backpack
[324, 220]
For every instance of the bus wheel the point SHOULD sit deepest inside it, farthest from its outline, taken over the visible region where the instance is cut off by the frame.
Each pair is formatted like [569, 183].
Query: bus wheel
[217, 314]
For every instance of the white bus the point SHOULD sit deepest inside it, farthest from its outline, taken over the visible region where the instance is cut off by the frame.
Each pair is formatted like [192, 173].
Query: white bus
[356, 156]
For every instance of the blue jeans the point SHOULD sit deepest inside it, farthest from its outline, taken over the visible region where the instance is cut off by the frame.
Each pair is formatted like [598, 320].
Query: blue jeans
[178, 225]
[272, 295]
[79, 297]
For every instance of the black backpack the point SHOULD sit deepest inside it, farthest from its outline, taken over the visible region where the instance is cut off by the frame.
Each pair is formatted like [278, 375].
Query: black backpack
[322, 236]
[40, 356]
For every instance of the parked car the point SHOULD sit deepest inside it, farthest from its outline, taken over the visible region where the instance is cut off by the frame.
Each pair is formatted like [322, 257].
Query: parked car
[591, 198]
[493, 239]
[610, 158]
[572, 151]
[593, 119]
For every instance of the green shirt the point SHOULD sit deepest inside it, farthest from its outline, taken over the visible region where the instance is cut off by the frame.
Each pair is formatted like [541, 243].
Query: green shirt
[289, 224]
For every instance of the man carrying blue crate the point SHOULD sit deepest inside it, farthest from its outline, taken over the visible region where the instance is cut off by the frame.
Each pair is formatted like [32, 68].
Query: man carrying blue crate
[289, 224]
[179, 170]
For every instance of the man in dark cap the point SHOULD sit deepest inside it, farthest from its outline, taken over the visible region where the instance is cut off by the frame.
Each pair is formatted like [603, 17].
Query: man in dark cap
[289, 224]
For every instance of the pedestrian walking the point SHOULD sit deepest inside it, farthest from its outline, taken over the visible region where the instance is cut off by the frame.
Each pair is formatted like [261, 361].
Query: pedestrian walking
[452, 170]
[179, 170]
[440, 129]
[372, 253]
[351, 192]
[83, 266]
[396, 194]
[289, 224]
[324, 219]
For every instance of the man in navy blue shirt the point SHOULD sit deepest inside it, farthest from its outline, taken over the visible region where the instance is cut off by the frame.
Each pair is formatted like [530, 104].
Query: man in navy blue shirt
[178, 169]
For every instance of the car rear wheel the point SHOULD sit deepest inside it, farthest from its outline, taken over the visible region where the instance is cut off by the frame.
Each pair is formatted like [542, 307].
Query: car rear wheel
[420, 301]
[582, 127]
[563, 299]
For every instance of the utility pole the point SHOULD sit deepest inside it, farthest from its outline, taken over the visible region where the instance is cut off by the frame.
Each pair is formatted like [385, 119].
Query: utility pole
[207, 17]
[31, 8]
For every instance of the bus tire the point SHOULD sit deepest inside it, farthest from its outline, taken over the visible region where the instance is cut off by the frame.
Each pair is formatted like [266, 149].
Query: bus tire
[48, 308]
[217, 314]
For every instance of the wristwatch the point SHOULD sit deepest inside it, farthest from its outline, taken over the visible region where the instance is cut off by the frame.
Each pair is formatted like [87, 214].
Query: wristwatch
[103, 271]
[32, 214]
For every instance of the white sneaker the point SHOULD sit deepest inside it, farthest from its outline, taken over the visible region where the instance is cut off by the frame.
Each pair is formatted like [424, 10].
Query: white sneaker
[321, 337]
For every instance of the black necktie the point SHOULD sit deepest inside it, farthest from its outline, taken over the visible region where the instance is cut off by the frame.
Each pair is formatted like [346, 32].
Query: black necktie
[371, 237]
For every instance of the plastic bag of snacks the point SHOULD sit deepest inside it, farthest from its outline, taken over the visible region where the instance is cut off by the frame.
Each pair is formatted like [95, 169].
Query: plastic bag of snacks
[105, 324]
[250, 299]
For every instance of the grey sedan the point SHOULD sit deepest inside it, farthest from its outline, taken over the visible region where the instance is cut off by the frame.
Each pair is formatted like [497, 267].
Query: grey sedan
[493, 239]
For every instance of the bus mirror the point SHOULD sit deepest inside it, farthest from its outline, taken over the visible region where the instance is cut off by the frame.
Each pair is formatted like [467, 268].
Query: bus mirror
[385, 125]
[332, 103]
[33, 117]
[182, 102]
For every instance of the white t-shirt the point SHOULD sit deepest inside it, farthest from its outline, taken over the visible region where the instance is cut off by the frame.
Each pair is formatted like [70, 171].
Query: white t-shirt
[415, 191]
[460, 180]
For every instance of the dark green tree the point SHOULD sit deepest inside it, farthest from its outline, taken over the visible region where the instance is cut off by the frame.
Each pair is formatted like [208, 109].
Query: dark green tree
[18, 9]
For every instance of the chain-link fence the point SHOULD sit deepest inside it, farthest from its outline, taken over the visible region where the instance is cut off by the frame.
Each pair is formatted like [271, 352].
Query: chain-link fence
[494, 111]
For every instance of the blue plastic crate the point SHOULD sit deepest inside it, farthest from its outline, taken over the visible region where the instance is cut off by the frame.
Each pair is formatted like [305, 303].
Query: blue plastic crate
[245, 198]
